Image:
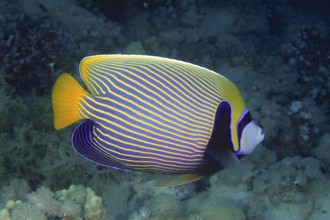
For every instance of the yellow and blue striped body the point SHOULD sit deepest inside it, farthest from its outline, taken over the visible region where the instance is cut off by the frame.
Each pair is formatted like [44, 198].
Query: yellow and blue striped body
[150, 113]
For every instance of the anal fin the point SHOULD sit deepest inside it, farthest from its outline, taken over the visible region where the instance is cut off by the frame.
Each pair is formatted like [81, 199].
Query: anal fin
[178, 179]
[84, 144]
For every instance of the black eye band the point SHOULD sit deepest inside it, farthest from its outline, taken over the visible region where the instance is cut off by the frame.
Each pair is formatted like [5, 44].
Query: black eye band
[244, 120]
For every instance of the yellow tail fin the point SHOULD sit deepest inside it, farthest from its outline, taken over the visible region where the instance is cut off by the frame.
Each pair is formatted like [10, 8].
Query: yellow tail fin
[66, 96]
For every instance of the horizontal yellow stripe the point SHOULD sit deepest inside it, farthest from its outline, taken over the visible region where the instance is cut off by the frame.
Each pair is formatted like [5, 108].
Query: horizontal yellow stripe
[106, 150]
[190, 127]
[162, 148]
[200, 76]
[177, 142]
[200, 109]
[193, 132]
[192, 118]
[94, 86]
[138, 60]
[189, 150]
[208, 99]
[203, 124]
[201, 82]
[166, 169]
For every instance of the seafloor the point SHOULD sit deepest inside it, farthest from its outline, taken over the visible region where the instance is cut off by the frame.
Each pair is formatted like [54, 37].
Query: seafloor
[277, 52]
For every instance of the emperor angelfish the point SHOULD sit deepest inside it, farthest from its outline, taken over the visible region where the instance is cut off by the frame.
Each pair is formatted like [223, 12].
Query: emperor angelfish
[147, 113]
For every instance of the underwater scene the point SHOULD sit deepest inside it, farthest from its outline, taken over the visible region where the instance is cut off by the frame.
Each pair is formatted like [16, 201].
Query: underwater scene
[164, 109]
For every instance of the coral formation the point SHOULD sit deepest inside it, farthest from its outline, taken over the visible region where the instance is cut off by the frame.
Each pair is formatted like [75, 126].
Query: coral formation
[2, 168]
[23, 37]
[93, 207]
[276, 52]
[206, 206]
[23, 139]
[76, 202]
[322, 151]
[290, 184]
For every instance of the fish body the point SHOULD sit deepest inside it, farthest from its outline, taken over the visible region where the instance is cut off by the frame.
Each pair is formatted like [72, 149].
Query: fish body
[146, 113]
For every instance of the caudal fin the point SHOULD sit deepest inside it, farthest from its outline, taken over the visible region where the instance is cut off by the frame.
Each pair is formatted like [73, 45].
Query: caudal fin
[66, 96]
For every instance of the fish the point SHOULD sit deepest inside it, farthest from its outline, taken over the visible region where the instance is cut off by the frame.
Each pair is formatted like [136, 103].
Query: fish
[154, 114]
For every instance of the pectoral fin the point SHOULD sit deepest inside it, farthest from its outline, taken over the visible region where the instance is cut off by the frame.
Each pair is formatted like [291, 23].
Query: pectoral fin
[229, 160]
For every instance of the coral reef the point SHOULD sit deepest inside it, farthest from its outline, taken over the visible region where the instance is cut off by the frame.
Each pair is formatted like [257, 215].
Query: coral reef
[205, 206]
[276, 52]
[291, 182]
[23, 38]
[322, 151]
[76, 202]
[277, 188]
[23, 138]
[2, 168]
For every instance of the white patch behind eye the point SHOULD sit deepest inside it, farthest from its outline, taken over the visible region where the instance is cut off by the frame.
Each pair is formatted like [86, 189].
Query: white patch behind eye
[251, 136]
